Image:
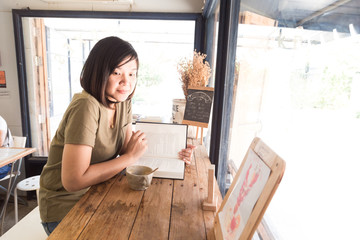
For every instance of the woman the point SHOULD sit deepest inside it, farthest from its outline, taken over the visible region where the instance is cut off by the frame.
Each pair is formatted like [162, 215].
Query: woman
[94, 140]
[6, 140]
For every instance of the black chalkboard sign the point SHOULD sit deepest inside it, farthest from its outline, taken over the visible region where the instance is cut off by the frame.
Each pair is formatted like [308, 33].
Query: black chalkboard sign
[198, 106]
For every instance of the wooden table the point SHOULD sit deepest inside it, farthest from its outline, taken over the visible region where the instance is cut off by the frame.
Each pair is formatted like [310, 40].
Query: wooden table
[7, 156]
[168, 209]
[12, 154]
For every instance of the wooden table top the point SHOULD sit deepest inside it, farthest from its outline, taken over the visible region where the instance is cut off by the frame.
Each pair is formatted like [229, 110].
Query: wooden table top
[168, 209]
[11, 154]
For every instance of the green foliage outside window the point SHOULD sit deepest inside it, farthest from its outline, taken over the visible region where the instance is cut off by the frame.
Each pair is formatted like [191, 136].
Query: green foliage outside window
[326, 88]
[146, 78]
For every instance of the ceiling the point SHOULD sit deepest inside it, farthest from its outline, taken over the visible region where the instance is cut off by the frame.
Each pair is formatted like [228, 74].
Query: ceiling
[181, 6]
[323, 15]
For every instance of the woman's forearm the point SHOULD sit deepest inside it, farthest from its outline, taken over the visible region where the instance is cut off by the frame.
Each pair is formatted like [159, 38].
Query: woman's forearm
[77, 173]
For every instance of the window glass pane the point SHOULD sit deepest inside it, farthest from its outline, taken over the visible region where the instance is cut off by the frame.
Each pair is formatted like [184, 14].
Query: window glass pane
[297, 88]
[160, 44]
[66, 44]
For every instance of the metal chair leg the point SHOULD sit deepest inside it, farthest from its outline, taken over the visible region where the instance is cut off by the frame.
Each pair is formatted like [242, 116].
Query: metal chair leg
[16, 206]
[3, 211]
[20, 200]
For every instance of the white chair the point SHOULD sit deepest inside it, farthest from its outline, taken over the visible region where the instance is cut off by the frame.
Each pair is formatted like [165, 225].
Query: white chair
[28, 184]
[12, 177]
[18, 142]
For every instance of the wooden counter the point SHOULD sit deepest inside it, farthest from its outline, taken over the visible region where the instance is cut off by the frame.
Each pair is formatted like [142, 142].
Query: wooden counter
[168, 209]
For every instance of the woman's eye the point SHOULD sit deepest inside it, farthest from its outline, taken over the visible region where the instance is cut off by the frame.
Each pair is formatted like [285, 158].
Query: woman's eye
[117, 73]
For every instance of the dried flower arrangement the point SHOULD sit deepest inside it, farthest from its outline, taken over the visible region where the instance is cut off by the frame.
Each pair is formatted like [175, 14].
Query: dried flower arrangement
[195, 72]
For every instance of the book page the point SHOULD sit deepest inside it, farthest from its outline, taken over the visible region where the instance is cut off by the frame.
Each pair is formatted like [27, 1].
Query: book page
[168, 167]
[165, 141]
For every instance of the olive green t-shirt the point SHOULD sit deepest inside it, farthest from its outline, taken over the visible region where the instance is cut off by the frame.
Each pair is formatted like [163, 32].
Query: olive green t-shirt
[84, 122]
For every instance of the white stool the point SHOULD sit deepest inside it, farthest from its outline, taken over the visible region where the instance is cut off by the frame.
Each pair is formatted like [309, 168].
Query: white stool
[28, 184]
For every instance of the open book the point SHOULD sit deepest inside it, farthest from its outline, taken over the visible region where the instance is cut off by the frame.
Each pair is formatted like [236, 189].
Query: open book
[165, 141]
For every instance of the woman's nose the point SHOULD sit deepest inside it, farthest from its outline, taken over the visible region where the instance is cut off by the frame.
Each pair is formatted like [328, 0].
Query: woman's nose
[125, 80]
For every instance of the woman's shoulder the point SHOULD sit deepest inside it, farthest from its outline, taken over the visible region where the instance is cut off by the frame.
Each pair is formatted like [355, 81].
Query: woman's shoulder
[84, 99]
[83, 104]
[85, 96]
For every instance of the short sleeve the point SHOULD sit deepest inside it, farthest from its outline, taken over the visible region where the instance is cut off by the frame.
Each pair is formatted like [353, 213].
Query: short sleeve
[82, 123]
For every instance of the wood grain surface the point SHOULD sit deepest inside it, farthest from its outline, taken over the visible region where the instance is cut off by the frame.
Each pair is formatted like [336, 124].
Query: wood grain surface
[168, 209]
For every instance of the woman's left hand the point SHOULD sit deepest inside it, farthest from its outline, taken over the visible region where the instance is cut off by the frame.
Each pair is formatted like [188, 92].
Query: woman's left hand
[186, 154]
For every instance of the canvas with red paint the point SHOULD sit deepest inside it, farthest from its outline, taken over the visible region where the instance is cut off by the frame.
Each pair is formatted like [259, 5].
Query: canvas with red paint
[242, 199]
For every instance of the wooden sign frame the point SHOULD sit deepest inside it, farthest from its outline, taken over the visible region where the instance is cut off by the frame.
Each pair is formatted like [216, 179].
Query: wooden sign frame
[196, 123]
[277, 168]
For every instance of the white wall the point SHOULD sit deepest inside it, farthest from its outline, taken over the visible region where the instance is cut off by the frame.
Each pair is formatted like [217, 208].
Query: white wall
[9, 96]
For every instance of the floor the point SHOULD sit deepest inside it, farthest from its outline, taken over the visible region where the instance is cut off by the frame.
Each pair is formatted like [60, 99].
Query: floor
[23, 209]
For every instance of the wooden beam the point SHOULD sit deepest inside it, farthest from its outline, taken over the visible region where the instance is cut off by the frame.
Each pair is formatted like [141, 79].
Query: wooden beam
[322, 11]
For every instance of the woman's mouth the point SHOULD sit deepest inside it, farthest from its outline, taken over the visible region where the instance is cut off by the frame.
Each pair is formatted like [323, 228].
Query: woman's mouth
[122, 91]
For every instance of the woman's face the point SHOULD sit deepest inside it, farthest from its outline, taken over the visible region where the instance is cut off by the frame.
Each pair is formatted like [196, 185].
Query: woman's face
[122, 81]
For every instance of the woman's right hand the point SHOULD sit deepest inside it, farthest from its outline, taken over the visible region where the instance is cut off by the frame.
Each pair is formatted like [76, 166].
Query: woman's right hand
[78, 173]
[137, 145]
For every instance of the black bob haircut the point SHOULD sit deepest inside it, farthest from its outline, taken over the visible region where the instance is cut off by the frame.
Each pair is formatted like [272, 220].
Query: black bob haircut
[104, 57]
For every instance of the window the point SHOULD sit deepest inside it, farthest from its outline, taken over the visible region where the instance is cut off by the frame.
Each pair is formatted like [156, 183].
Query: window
[57, 50]
[297, 88]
